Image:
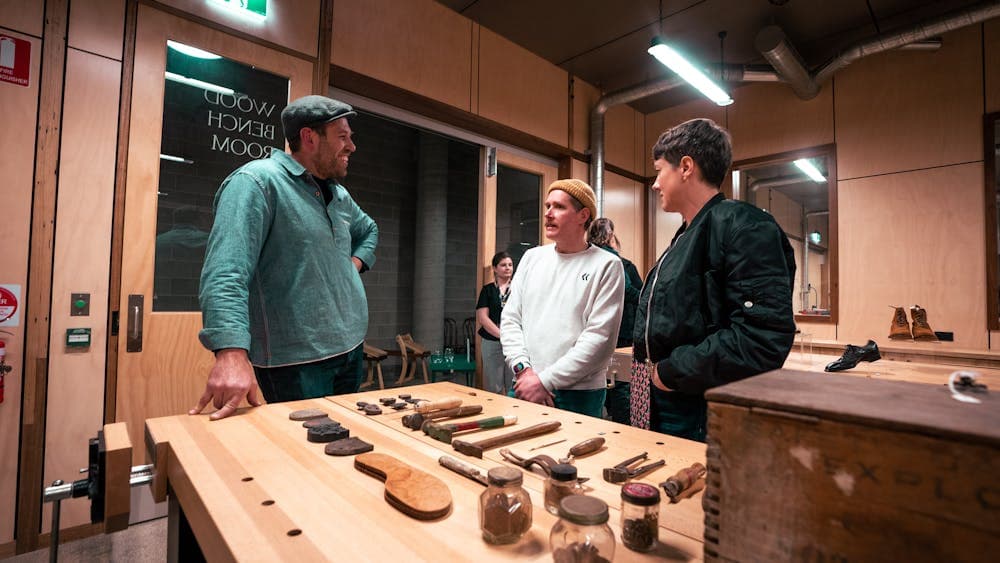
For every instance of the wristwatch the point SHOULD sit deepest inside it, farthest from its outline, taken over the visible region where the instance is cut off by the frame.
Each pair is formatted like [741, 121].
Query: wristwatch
[520, 366]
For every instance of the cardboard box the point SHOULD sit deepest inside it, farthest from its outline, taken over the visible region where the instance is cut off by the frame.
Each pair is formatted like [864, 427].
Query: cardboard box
[820, 467]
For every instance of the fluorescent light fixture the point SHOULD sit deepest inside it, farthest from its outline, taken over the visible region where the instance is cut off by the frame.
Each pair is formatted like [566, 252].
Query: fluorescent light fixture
[254, 10]
[192, 51]
[173, 158]
[198, 83]
[677, 63]
[809, 169]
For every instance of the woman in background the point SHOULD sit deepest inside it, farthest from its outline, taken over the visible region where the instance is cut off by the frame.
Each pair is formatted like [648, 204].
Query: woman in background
[492, 298]
[602, 234]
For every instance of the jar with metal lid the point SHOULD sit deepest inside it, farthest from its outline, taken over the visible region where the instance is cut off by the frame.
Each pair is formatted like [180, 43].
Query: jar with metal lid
[561, 483]
[582, 533]
[640, 516]
[504, 507]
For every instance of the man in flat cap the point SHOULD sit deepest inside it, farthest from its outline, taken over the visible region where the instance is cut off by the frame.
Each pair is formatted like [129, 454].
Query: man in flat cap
[560, 324]
[283, 308]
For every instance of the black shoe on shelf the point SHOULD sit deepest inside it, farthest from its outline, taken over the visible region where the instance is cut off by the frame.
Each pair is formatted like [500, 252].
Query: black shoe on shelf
[854, 354]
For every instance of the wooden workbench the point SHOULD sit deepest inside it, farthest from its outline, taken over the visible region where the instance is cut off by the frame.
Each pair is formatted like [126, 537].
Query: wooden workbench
[251, 487]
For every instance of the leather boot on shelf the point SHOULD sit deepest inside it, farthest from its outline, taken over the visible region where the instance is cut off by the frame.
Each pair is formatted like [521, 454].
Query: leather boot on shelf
[921, 330]
[854, 354]
[900, 327]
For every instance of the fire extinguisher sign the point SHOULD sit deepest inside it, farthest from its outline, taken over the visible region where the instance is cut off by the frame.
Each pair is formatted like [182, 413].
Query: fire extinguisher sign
[15, 60]
[10, 314]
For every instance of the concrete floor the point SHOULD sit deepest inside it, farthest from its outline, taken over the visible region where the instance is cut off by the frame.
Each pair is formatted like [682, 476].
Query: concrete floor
[143, 542]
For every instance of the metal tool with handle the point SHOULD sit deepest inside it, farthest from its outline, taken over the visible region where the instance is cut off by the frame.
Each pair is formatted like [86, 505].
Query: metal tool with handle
[585, 447]
[476, 449]
[444, 432]
[623, 471]
[464, 469]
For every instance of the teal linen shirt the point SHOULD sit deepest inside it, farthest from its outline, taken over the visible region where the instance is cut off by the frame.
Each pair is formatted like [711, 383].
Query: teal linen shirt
[278, 279]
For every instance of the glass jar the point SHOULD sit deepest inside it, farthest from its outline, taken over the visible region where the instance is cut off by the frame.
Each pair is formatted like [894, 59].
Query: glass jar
[561, 483]
[640, 516]
[504, 507]
[582, 533]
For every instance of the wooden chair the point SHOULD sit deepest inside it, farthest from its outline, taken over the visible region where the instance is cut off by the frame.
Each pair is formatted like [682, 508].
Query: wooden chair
[411, 353]
[373, 359]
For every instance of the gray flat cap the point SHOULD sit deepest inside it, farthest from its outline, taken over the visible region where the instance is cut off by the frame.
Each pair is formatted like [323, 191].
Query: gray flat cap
[312, 110]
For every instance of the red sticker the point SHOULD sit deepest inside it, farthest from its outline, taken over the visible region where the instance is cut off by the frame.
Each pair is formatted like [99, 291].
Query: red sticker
[8, 304]
[15, 60]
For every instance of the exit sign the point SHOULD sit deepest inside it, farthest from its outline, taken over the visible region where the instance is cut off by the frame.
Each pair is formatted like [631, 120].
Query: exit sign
[255, 8]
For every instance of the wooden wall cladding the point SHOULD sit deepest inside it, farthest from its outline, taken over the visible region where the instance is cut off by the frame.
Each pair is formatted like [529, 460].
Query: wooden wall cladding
[421, 46]
[17, 144]
[290, 23]
[623, 205]
[522, 90]
[903, 243]
[98, 26]
[991, 48]
[769, 119]
[24, 17]
[585, 97]
[905, 110]
[82, 255]
[623, 138]
[658, 122]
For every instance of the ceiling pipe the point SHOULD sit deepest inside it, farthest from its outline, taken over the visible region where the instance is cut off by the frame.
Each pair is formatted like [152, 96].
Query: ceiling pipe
[728, 73]
[778, 50]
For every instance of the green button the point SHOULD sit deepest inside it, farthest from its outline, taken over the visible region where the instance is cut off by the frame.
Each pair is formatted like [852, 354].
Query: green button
[79, 303]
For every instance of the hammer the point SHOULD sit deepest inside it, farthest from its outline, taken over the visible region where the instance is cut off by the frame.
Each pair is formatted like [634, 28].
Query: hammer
[477, 448]
[440, 404]
[416, 420]
[444, 432]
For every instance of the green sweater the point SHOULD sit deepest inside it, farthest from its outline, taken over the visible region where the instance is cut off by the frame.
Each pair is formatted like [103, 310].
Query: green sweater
[278, 280]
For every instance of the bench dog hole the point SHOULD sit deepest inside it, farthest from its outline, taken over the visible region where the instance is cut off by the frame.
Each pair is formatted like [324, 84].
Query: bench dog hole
[294, 532]
[267, 502]
[245, 479]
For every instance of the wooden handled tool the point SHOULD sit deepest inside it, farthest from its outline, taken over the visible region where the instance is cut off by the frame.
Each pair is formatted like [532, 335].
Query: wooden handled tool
[444, 432]
[416, 420]
[681, 481]
[440, 404]
[464, 469]
[408, 489]
[477, 448]
[585, 447]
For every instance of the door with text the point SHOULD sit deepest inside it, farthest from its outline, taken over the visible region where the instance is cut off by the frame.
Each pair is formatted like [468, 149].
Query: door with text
[203, 104]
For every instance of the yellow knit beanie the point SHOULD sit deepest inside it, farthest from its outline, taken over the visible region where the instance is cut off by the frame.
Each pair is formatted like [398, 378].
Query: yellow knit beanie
[580, 191]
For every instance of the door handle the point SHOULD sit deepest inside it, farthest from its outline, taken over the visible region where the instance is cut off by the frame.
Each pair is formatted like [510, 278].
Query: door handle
[133, 340]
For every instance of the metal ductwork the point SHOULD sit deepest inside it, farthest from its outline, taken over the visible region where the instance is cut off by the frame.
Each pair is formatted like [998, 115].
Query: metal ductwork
[774, 45]
[728, 73]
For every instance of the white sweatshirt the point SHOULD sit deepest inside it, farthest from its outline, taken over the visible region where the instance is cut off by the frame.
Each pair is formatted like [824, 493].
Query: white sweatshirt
[563, 314]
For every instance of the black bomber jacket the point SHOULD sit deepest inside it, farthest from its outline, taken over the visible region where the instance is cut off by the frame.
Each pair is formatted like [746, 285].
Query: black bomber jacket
[717, 306]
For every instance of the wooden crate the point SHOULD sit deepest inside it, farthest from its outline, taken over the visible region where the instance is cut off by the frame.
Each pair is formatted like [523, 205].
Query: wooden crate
[831, 468]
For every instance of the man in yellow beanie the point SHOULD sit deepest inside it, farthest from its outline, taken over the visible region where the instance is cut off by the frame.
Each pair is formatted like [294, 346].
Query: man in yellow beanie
[560, 324]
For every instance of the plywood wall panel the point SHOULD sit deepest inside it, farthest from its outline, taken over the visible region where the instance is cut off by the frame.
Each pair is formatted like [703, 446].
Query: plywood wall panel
[658, 122]
[22, 16]
[580, 170]
[991, 48]
[290, 23]
[98, 26]
[17, 145]
[623, 205]
[620, 145]
[903, 243]
[522, 90]
[82, 258]
[769, 118]
[905, 110]
[421, 46]
[585, 97]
